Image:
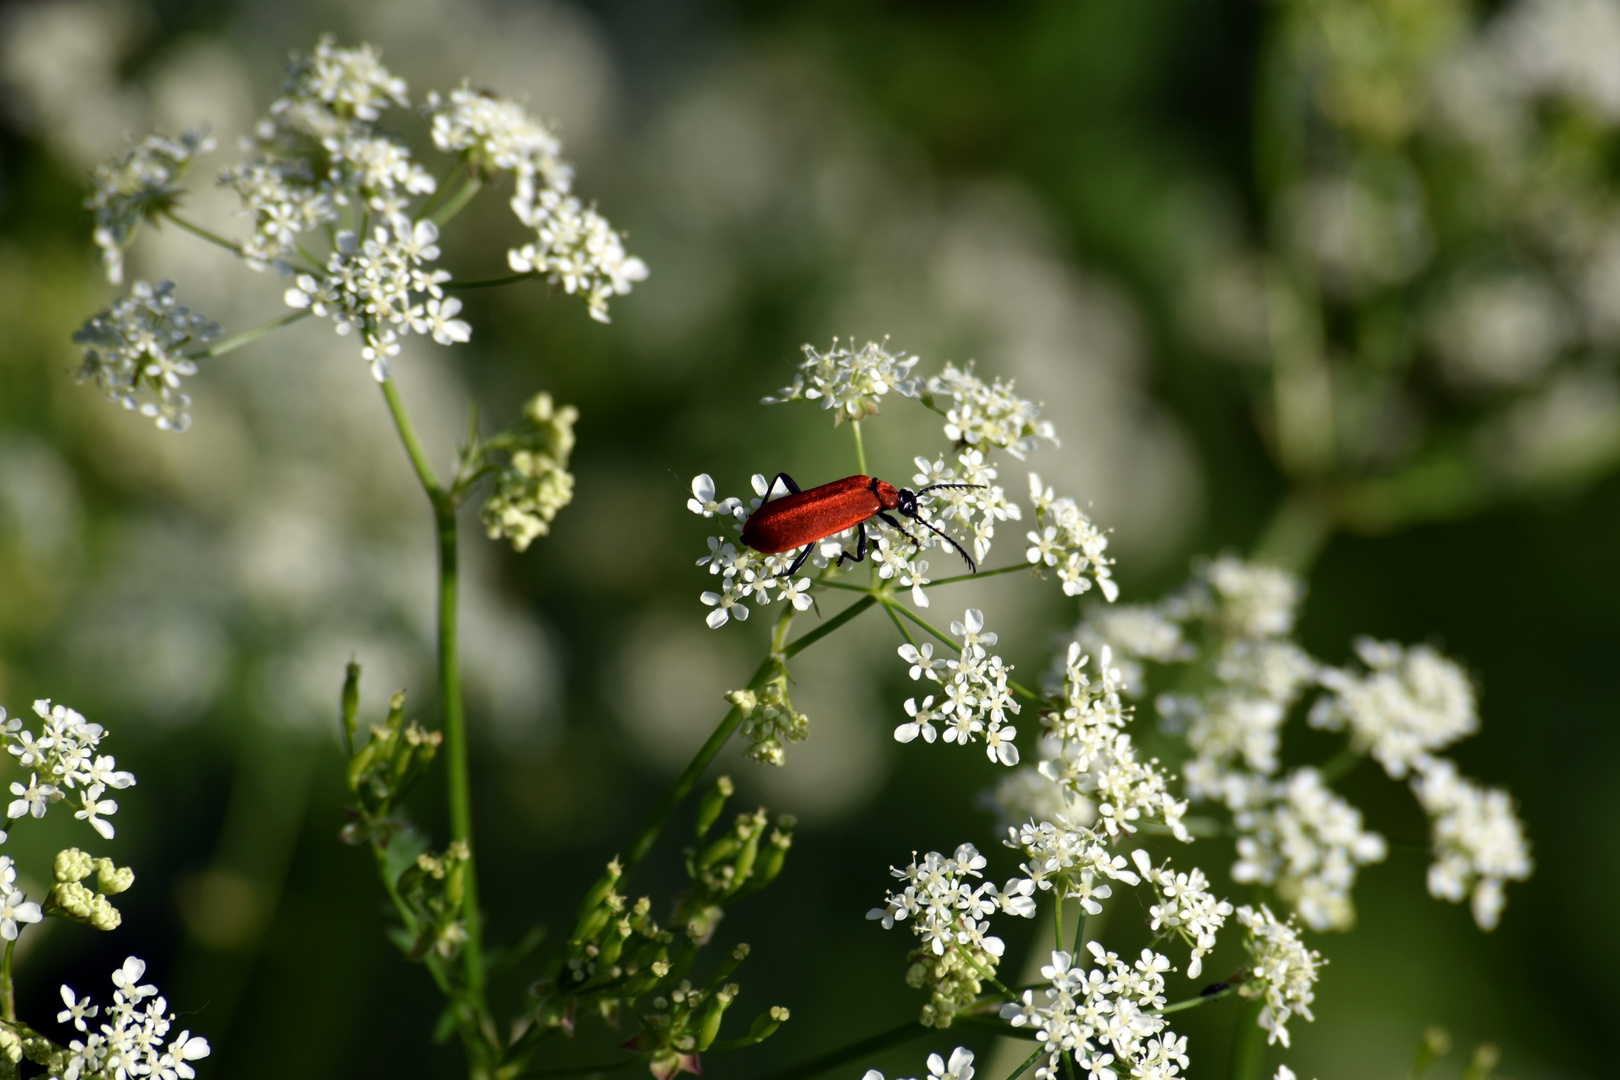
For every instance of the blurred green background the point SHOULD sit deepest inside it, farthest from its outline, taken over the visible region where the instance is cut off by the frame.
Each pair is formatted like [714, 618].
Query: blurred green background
[1072, 193]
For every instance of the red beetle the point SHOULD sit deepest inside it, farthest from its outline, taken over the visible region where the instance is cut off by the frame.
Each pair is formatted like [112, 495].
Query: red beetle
[800, 518]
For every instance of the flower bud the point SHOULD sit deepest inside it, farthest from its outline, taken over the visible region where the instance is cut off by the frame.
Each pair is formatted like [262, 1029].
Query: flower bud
[103, 916]
[111, 879]
[714, 800]
[72, 865]
[72, 898]
[350, 703]
[11, 1047]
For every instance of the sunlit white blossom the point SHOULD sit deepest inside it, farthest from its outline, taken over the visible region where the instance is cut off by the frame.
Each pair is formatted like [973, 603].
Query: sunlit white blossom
[135, 352]
[137, 187]
[1479, 842]
[1411, 702]
[981, 415]
[850, 382]
[1283, 971]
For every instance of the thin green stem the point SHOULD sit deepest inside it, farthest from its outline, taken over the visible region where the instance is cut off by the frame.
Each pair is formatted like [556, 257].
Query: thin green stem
[236, 341]
[199, 231]
[454, 204]
[844, 1055]
[413, 445]
[1248, 1043]
[983, 574]
[900, 626]
[717, 738]
[1193, 1003]
[1057, 916]
[489, 283]
[846, 586]
[860, 448]
[920, 621]
[1032, 1059]
[1299, 529]
[439, 189]
[8, 992]
[1339, 765]
[986, 975]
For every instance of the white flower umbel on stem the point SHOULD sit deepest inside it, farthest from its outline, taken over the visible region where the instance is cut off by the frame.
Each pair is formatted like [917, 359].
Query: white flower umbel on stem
[1411, 702]
[381, 288]
[138, 187]
[1479, 841]
[1065, 539]
[975, 700]
[981, 415]
[135, 352]
[1101, 1019]
[850, 382]
[1306, 839]
[1283, 971]
[133, 1038]
[62, 759]
[1186, 908]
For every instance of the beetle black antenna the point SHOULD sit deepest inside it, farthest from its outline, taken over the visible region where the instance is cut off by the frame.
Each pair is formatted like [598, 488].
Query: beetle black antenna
[943, 535]
[936, 487]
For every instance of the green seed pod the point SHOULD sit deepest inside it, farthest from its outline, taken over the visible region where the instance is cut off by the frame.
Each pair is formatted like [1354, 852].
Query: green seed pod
[714, 801]
[713, 1013]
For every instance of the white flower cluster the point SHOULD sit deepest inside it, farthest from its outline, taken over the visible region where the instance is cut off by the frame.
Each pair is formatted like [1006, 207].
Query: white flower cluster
[319, 156]
[1132, 633]
[745, 574]
[1186, 908]
[137, 187]
[134, 351]
[574, 246]
[380, 288]
[945, 907]
[1088, 752]
[133, 1039]
[15, 907]
[959, 1067]
[1066, 539]
[974, 700]
[982, 416]
[1409, 703]
[1282, 972]
[1104, 1020]
[971, 511]
[1307, 840]
[850, 382]
[1067, 859]
[1479, 842]
[62, 759]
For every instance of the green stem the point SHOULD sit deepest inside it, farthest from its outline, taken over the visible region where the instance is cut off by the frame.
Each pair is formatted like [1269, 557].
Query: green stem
[439, 189]
[454, 722]
[728, 723]
[920, 621]
[1032, 1059]
[832, 1059]
[8, 992]
[1339, 765]
[900, 626]
[1057, 916]
[860, 447]
[1299, 529]
[1193, 1003]
[199, 231]
[488, 283]
[983, 574]
[453, 205]
[1248, 1043]
[236, 341]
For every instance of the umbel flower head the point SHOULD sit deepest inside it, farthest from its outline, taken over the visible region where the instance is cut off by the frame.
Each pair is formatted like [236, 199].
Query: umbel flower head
[134, 351]
[133, 1038]
[138, 187]
[536, 482]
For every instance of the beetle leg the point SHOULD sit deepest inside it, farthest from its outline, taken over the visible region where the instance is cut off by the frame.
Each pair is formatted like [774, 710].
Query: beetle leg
[786, 481]
[860, 547]
[798, 562]
[901, 529]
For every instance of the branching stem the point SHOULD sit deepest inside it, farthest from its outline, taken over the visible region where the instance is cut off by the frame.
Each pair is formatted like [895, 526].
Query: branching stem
[246, 337]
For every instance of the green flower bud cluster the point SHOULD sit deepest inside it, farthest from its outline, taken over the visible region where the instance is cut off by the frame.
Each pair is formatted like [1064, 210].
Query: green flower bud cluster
[769, 719]
[434, 887]
[388, 765]
[618, 954]
[955, 981]
[71, 898]
[535, 483]
[11, 1047]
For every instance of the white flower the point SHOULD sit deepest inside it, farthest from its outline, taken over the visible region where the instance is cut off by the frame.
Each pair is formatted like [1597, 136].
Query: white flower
[133, 351]
[921, 659]
[92, 805]
[725, 606]
[980, 415]
[703, 501]
[1283, 972]
[1479, 841]
[32, 799]
[851, 383]
[138, 187]
[1410, 703]
[960, 1067]
[1065, 539]
[78, 1009]
[920, 722]
[1186, 907]
[16, 908]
